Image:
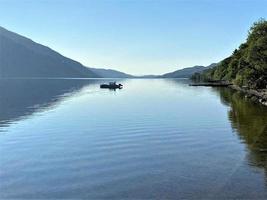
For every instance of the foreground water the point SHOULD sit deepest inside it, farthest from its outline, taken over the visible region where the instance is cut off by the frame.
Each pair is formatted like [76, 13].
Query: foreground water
[157, 139]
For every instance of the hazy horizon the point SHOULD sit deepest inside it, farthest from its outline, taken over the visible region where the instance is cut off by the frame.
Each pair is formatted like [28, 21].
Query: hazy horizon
[136, 37]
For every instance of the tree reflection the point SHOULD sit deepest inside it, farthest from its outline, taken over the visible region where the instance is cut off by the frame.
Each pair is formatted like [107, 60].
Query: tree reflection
[249, 120]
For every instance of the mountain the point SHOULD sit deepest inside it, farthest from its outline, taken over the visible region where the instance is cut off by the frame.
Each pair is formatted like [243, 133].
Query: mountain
[109, 73]
[187, 72]
[247, 66]
[22, 57]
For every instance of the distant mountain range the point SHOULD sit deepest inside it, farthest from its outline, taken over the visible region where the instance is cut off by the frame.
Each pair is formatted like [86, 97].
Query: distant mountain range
[109, 73]
[21, 57]
[187, 72]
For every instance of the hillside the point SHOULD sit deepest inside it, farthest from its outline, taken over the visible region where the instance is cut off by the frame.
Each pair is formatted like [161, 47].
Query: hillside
[247, 66]
[22, 57]
[109, 73]
[187, 72]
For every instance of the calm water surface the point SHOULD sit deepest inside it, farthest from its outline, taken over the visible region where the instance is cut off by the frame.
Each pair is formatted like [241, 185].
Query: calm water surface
[157, 139]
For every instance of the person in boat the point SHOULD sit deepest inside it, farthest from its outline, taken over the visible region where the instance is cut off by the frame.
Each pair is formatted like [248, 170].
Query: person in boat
[112, 83]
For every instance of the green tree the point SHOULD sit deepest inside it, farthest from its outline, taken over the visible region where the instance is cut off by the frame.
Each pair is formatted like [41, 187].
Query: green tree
[248, 64]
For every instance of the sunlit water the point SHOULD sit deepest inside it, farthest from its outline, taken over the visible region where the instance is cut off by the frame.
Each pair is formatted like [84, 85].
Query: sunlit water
[159, 139]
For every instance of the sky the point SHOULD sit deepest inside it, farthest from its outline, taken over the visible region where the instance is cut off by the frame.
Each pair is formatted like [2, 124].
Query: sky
[136, 36]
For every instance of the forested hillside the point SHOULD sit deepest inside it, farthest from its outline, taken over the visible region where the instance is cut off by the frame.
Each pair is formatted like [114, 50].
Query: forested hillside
[247, 66]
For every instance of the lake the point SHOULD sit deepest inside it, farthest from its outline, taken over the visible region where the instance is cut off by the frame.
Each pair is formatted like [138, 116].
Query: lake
[153, 139]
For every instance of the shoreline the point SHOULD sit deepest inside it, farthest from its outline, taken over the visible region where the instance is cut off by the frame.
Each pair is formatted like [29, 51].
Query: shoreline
[254, 95]
[257, 96]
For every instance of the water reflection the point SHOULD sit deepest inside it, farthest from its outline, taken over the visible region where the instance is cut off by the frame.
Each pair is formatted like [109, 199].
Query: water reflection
[249, 121]
[153, 139]
[21, 97]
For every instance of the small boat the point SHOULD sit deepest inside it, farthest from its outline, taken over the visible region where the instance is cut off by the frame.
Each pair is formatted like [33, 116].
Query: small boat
[111, 85]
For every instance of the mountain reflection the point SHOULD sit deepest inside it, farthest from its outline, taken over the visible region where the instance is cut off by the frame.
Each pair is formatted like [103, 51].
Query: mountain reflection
[249, 121]
[21, 97]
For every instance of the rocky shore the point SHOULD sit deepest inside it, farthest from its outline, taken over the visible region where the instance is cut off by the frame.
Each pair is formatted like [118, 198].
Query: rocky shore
[259, 96]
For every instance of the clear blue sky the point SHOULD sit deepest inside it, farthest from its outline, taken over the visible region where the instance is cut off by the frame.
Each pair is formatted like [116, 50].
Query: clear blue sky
[138, 37]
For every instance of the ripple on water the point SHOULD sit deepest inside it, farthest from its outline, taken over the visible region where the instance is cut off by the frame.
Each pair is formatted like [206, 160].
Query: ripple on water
[140, 147]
